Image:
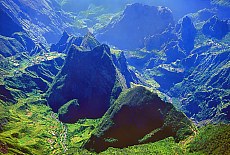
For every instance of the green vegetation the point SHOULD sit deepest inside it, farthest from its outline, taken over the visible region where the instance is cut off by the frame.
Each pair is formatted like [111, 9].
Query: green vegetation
[34, 129]
[27, 70]
[64, 108]
[164, 147]
[29, 128]
[133, 107]
[79, 133]
[115, 52]
[212, 139]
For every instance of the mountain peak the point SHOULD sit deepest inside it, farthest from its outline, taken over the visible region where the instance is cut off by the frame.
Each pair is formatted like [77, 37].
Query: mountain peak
[138, 116]
[88, 76]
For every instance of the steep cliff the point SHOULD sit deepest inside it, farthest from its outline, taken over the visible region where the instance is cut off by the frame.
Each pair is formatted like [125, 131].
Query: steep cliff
[137, 22]
[89, 77]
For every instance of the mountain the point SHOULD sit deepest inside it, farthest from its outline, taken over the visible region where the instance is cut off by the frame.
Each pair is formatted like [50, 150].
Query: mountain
[202, 143]
[10, 46]
[42, 20]
[46, 70]
[138, 116]
[120, 62]
[6, 95]
[207, 86]
[160, 86]
[90, 80]
[14, 39]
[88, 42]
[193, 58]
[216, 28]
[136, 22]
[9, 26]
[20, 42]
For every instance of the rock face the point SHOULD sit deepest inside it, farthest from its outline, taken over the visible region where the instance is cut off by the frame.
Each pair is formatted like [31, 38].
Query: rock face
[19, 42]
[216, 28]
[173, 52]
[63, 44]
[187, 34]
[137, 22]
[174, 40]
[91, 78]
[42, 20]
[205, 90]
[88, 42]
[138, 116]
[121, 64]
[8, 26]
[159, 40]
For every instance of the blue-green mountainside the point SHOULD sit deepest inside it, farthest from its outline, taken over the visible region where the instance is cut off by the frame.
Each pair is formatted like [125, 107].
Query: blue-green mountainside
[106, 77]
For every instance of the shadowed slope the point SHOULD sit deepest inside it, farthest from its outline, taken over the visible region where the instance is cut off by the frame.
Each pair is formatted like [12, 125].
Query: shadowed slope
[138, 116]
[89, 77]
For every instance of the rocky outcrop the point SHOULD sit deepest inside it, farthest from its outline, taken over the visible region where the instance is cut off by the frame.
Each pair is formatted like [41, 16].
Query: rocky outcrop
[173, 52]
[216, 28]
[88, 42]
[175, 41]
[186, 34]
[62, 44]
[138, 116]
[137, 22]
[121, 63]
[156, 42]
[91, 78]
